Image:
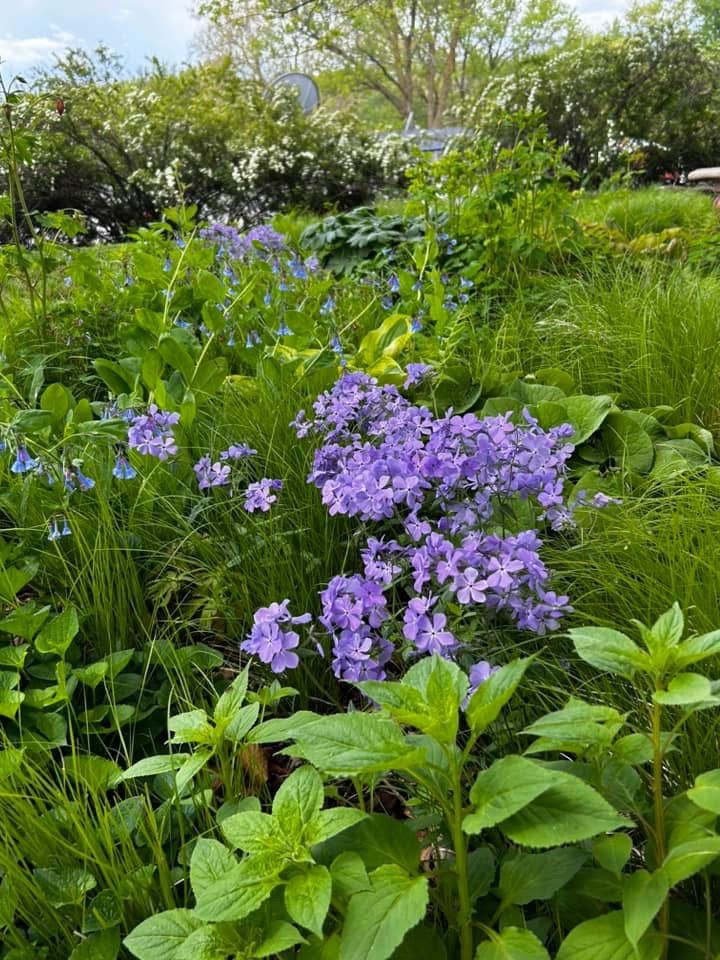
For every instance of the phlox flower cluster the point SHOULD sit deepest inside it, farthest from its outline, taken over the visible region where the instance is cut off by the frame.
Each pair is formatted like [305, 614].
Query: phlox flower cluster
[444, 487]
[151, 433]
[237, 245]
[259, 495]
[271, 638]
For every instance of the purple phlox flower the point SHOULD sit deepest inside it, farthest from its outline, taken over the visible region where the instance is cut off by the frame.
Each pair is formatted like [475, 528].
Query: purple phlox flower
[260, 496]
[470, 587]
[122, 469]
[23, 462]
[270, 638]
[416, 373]
[601, 500]
[415, 613]
[479, 672]
[312, 263]
[211, 474]
[237, 451]
[433, 636]
[151, 433]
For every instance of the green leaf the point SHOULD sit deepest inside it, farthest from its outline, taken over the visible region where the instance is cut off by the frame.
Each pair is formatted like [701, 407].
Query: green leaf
[25, 621]
[10, 761]
[160, 936]
[176, 356]
[209, 287]
[63, 886]
[609, 650]
[117, 379]
[706, 791]
[586, 414]
[566, 812]
[191, 727]
[379, 840]
[298, 801]
[378, 919]
[686, 690]
[280, 936]
[503, 789]
[103, 945]
[613, 852]
[348, 874]
[255, 832]
[604, 938]
[626, 443]
[643, 895]
[686, 859]
[512, 944]
[242, 890]
[213, 941]
[696, 649]
[667, 630]
[492, 695]
[328, 823]
[150, 766]
[210, 861]
[420, 943]
[353, 744]
[56, 399]
[58, 633]
[307, 898]
[538, 876]
[481, 872]
[231, 699]
[242, 721]
[386, 341]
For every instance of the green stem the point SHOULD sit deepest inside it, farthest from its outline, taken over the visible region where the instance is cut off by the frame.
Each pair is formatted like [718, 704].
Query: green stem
[461, 869]
[659, 810]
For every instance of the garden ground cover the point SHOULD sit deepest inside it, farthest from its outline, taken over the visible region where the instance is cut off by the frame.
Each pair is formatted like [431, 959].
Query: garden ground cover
[318, 575]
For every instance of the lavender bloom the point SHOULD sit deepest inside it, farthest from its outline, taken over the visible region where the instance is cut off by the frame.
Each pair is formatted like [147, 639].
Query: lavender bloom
[479, 673]
[432, 635]
[23, 462]
[260, 496]
[211, 474]
[393, 284]
[83, 483]
[416, 373]
[271, 640]
[122, 469]
[237, 451]
[151, 433]
[353, 609]
[328, 306]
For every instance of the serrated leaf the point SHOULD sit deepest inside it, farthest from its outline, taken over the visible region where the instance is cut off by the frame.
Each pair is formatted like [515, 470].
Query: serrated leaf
[609, 650]
[242, 890]
[643, 895]
[538, 876]
[348, 874]
[57, 634]
[687, 859]
[492, 695]
[210, 861]
[378, 919]
[686, 690]
[280, 936]
[307, 898]
[503, 789]
[613, 852]
[512, 944]
[604, 938]
[160, 936]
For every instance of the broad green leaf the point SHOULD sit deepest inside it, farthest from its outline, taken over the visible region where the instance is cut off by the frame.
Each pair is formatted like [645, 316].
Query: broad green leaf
[280, 936]
[686, 859]
[150, 766]
[255, 832]
[352, 744]
[281, 728]
[242, 890]
[696, 649]
[328, 823]
[492, 695]
[25, 621]
[706, 792]
[307, 898]
[643, 895]
[62, 886]
[604, 938]
[626, 443]
[192, 766]
[512, 944]
[298, 801]
[57, 400]
[538, 876]
[667, 630]
[58, 633]
[613, 852]
[420, 943]
[213, 941]
[566, 812]
[348, 874]
[686, 690]
[14, 656]
[503, 789]
[481, 872]
[102, 945]
[241, 721]
[232, 699]
[578, 723]
[176, 356]
[586, 414]
[210, 861]
[609, 650]
[10, 761]
[191, 727]
[160, 936]
[379, 840]
[378, 919]
[97, 773]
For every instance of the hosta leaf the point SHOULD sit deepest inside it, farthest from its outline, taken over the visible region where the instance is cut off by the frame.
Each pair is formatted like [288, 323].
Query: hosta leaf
[378, 919]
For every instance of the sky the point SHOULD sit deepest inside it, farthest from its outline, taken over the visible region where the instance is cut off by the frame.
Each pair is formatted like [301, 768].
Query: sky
[32, 31]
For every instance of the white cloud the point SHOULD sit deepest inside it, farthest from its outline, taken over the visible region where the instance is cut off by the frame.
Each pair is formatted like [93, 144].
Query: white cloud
[28, 51]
